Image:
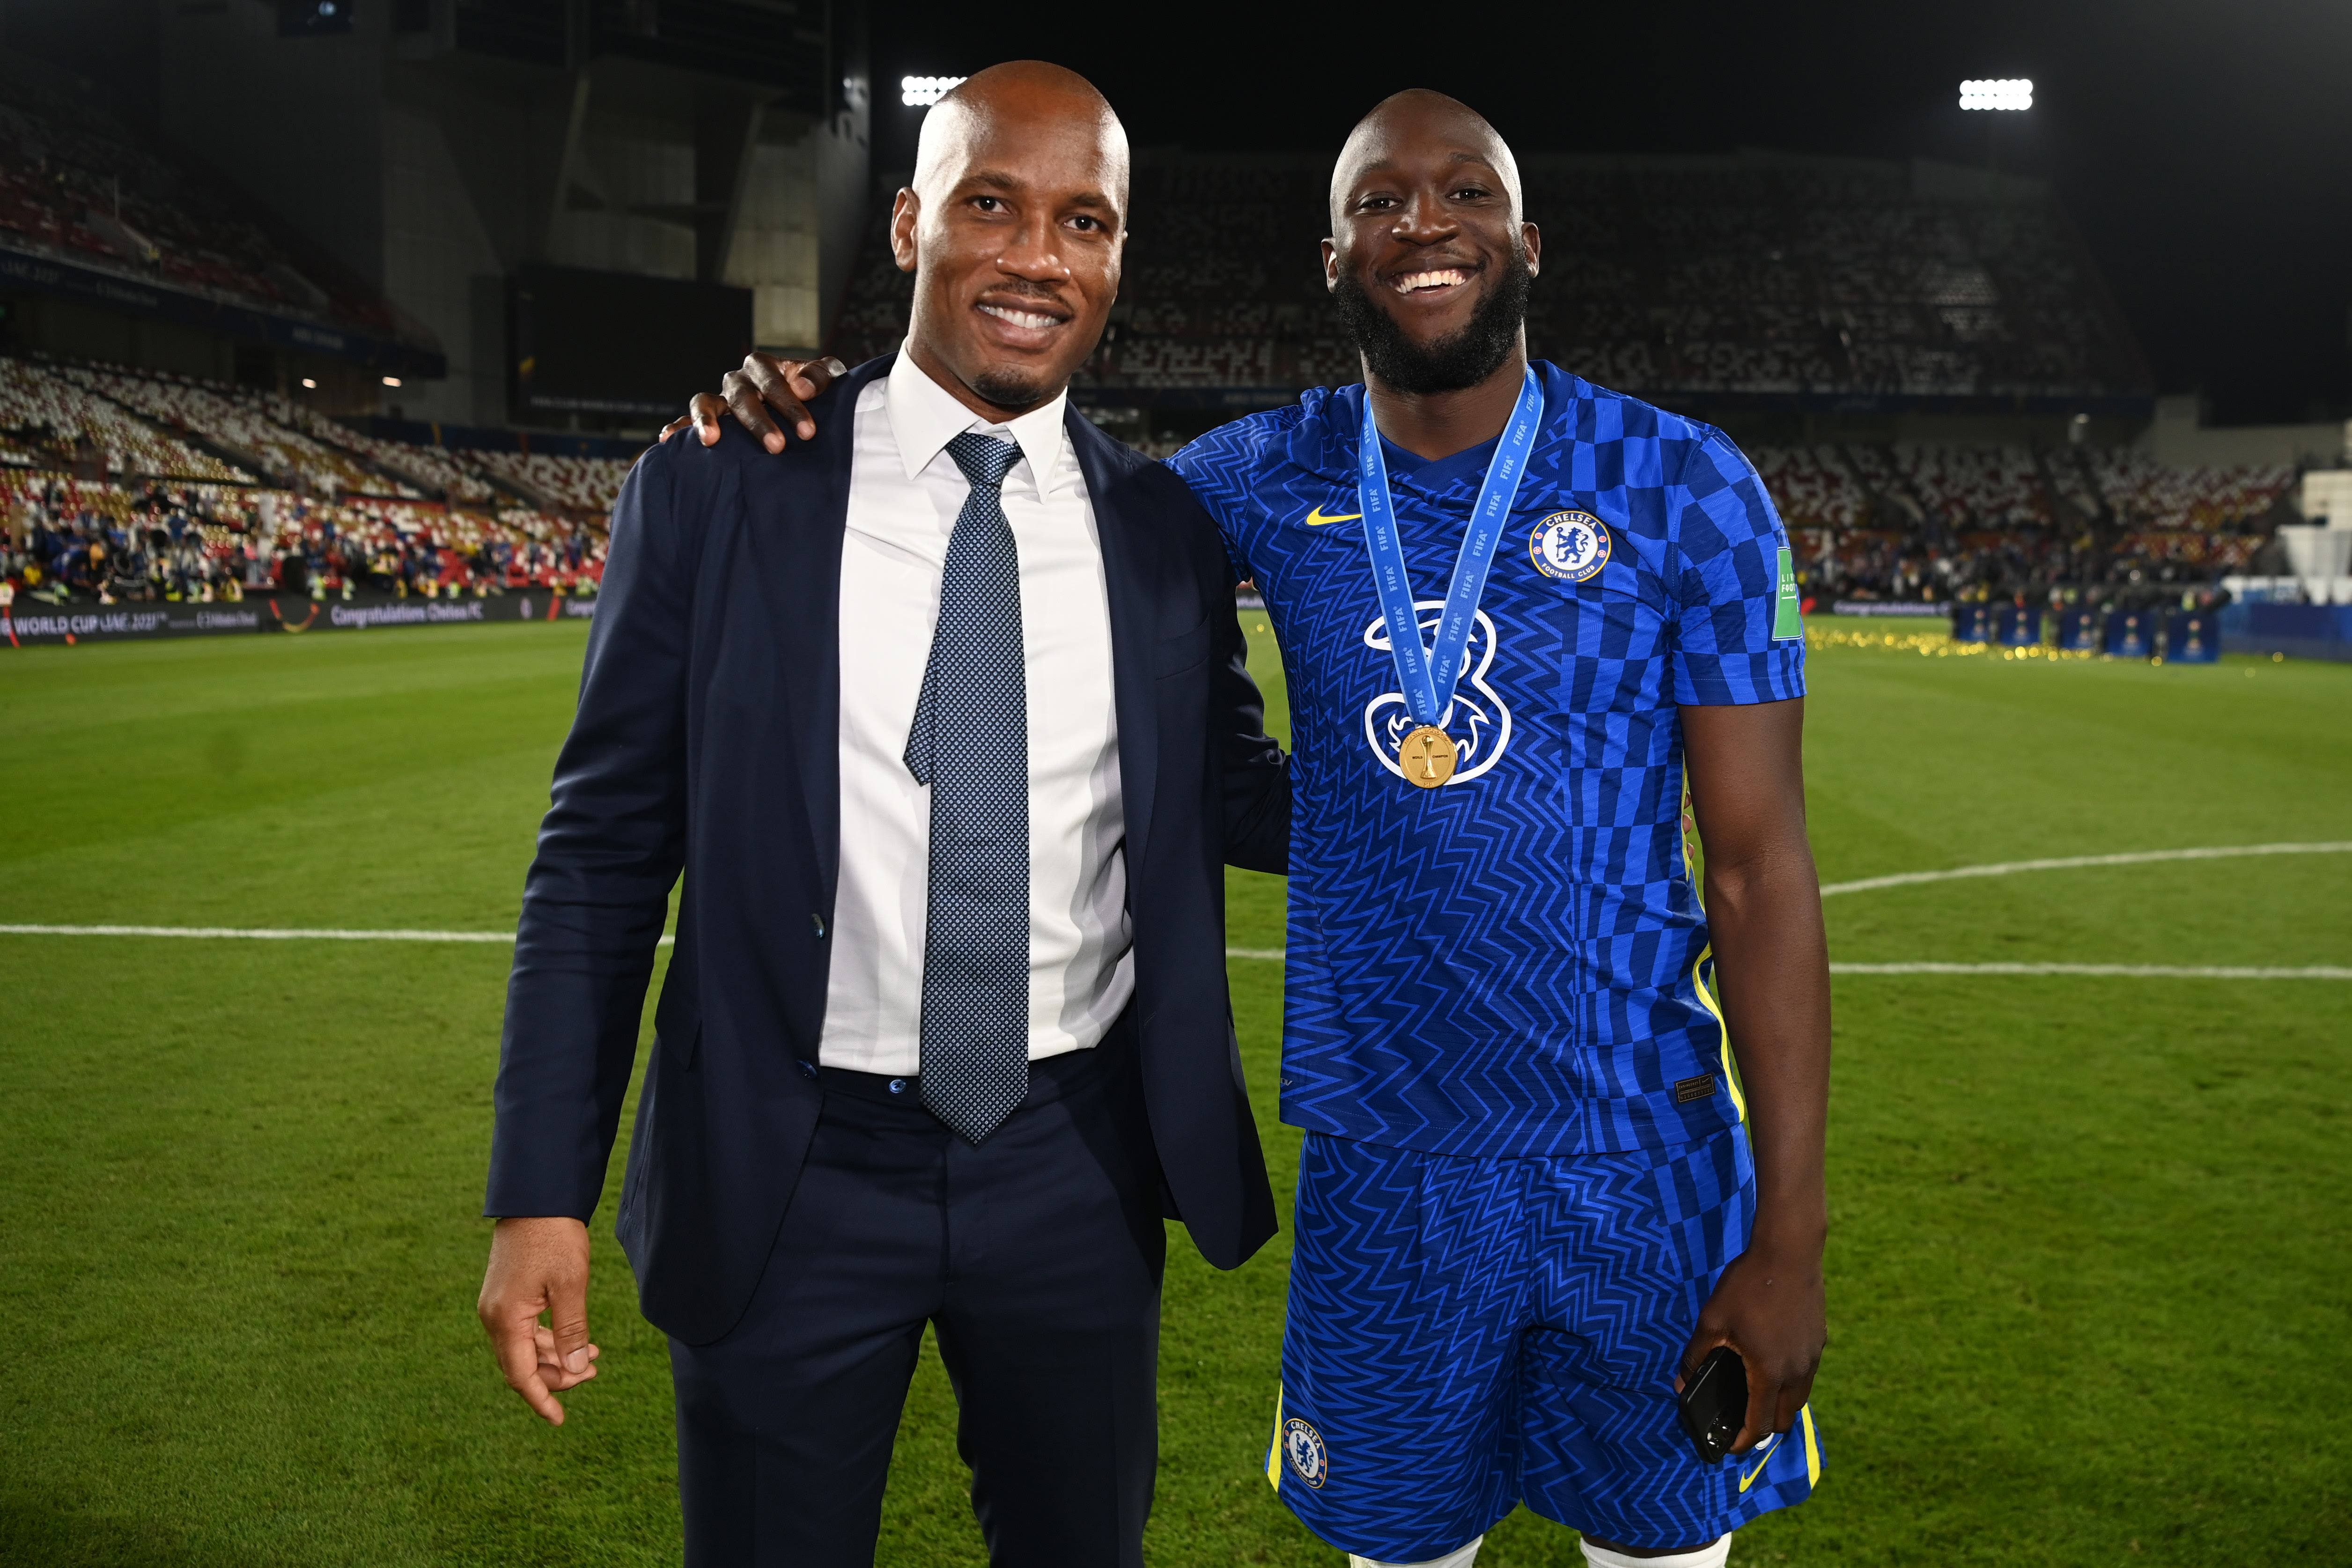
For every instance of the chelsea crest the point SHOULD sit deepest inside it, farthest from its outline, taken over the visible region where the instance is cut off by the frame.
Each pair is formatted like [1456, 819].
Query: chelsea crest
[1302, 1445]
[1570, 546]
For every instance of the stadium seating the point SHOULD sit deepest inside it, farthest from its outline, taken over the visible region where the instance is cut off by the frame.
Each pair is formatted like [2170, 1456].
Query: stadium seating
[78, 185]
[1756, 275]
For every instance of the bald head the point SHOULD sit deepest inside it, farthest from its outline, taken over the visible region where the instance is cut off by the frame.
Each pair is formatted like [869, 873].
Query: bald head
[1421, 118]
[1020, 100]
[1013, 228]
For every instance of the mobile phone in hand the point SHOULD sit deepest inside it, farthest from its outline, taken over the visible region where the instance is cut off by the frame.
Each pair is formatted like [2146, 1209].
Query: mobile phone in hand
[1714, 1403]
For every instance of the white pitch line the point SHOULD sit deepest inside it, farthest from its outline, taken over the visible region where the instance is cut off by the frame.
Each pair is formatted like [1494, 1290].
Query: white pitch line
[2131, 971]
[2128, 971]
[2069, 862]
[264, 934]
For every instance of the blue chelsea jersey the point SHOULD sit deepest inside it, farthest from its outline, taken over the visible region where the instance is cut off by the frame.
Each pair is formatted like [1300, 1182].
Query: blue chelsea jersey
[1507, 964]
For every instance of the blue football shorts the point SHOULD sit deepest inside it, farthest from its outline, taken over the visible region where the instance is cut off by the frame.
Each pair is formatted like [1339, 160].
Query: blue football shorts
[1469, 1332]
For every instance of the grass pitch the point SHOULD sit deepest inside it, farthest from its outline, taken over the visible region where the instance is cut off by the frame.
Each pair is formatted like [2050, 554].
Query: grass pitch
[2087, 1274]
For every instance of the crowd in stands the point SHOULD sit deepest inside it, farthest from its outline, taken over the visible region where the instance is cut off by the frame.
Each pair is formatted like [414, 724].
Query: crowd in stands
[118, 485]
[1755, 274]
[69, 539]
[1935, 523]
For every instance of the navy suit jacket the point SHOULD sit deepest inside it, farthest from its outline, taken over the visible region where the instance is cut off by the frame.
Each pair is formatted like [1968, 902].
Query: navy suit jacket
[707, 742]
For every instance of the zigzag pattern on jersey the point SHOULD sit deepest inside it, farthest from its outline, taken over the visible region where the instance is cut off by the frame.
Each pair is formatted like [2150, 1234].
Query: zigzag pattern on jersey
[1503, 965]
[1465, 1333]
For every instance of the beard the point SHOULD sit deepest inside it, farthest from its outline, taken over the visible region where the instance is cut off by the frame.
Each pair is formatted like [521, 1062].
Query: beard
[1461, 358]
[1010, 389]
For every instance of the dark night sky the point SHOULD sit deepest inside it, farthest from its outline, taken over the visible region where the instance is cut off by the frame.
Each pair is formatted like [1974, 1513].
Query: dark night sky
[2203, 149]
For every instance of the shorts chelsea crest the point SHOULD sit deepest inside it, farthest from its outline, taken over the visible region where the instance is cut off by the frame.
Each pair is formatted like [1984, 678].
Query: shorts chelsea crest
[1468, 1332]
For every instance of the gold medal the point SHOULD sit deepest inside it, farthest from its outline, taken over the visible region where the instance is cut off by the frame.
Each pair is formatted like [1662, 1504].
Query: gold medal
[1428, 757]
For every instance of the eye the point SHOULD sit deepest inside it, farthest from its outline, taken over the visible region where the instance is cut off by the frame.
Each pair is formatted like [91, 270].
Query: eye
[1473, 193]
[989, 203]
[1084, 221]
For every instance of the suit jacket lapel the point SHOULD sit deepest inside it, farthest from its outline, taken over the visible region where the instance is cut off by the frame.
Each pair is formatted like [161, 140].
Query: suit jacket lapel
[1125, 564]
[809, 638]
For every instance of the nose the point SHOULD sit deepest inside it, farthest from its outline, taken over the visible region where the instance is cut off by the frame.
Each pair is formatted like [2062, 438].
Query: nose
[1033, 251]
[1424, 219]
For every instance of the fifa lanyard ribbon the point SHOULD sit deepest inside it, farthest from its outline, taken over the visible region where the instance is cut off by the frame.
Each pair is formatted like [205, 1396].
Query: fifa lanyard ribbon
[1428, 676]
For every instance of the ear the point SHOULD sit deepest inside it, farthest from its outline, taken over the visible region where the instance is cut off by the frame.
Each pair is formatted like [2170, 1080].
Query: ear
[904, 213]
[1532, 237]
[1330, 264]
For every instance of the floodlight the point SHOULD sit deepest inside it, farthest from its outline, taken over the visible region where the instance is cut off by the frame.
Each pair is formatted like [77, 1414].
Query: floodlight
[921, 92]
[309, 383]
[1997, 92]
[392, 380]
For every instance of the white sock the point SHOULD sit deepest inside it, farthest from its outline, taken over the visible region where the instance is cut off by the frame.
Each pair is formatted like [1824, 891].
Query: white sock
[1714, 1556]
[1460, 1557]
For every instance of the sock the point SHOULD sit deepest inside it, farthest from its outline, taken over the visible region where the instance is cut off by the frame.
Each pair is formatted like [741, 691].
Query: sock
[1460, 1557]
[1711, 1556]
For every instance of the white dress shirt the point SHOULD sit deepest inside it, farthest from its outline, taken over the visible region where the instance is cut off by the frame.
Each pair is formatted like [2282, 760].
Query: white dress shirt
[905, 493]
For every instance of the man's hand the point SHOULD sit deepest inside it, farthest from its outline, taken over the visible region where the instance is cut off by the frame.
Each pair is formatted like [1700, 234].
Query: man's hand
[764, 383]
[1770, 1306]
[540, 1266]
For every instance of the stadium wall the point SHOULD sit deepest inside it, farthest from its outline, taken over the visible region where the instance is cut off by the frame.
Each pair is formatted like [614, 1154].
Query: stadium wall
[2180, 438]
[435, 149]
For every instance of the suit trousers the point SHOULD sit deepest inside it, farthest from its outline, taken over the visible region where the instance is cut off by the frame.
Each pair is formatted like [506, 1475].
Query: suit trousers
[1038, 1255]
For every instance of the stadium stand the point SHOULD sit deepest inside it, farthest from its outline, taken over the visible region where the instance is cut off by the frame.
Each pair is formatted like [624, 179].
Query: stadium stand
[80, 187]
[1796, 288]
[1757, 275]
[127, 486]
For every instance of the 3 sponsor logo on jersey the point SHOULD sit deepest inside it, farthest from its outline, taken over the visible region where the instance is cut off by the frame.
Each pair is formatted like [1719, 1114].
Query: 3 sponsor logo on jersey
[1570, 546]
[1478, 722]
[1302, 1445]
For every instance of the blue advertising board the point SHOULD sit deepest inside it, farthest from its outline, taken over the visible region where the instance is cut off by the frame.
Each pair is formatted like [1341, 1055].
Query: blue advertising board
[2078, 630]
[2018, 626]
[2131, 635]
[1971, 622]
[2192, 637]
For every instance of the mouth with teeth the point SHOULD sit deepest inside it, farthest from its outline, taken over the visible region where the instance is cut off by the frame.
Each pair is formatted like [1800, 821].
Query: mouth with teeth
[1431, 280]
[1028, 321]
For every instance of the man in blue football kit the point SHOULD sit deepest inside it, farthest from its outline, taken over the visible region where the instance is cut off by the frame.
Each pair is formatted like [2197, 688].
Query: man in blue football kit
[1546, 1172]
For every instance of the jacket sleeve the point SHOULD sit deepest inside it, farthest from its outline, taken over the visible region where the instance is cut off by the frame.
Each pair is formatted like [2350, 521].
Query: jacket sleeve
[1257, 768]
[610, 850]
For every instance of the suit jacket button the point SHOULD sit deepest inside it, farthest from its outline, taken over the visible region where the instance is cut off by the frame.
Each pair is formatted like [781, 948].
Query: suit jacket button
[808, 1070]
[897, 1086]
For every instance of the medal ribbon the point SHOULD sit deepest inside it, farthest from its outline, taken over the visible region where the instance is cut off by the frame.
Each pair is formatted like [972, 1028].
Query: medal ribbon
[1429, 675]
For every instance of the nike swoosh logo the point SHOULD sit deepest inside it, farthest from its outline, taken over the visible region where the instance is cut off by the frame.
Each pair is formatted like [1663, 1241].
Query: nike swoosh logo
[1316, 519]
[1769, 1449]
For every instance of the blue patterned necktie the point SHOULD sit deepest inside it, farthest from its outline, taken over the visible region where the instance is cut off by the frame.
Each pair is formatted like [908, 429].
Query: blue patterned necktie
[970, 744]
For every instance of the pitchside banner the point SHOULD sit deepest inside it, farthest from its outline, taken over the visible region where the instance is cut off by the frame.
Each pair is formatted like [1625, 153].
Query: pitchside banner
[1971, 623]
[2192, 637]
[2020, 626]
[30, 623]
[2078, 630]
[2130, 635]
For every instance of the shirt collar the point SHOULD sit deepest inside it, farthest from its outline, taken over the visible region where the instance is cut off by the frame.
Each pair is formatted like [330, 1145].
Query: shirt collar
[924, 417]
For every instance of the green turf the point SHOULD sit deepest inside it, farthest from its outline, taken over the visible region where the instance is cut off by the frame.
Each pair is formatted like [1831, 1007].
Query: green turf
[2087, 1278]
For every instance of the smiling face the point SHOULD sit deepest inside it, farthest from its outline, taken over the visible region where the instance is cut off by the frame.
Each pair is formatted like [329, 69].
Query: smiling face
[1429, 258]
[1013, 228]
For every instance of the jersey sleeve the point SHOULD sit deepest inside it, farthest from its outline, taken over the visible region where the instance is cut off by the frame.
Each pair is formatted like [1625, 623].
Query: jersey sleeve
[1217, 466]
[1738, 636]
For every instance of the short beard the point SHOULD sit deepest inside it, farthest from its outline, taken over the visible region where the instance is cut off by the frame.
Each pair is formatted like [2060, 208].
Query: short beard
[1009, 389]
[1463, 359]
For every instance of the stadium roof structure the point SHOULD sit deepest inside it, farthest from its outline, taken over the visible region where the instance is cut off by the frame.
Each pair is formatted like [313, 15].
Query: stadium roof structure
[89, 211]
[1752, 280]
